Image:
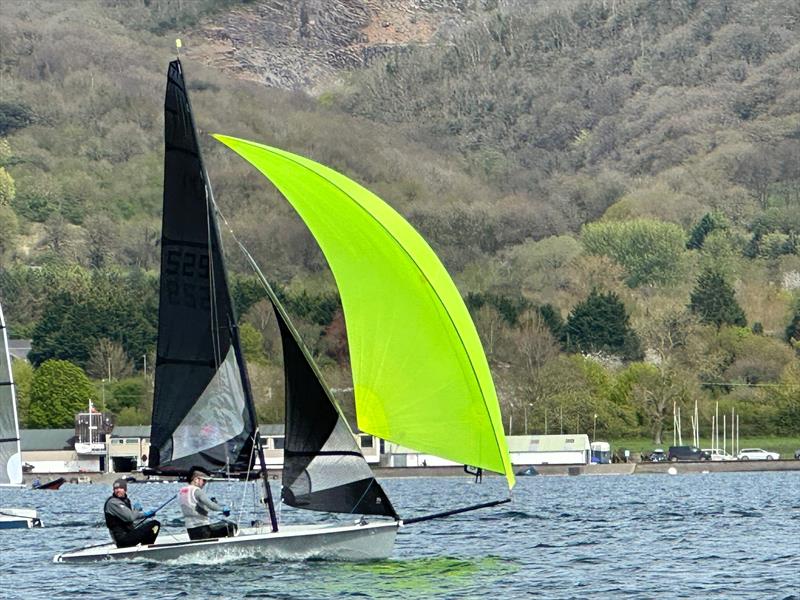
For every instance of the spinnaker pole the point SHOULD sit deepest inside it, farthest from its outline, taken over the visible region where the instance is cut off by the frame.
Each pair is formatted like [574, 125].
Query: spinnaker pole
[455, 511]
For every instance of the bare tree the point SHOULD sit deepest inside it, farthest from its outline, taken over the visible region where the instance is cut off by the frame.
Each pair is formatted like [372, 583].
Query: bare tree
[108, 360]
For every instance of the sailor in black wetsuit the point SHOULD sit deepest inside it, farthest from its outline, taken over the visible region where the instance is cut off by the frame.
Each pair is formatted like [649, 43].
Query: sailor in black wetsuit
[121, 519]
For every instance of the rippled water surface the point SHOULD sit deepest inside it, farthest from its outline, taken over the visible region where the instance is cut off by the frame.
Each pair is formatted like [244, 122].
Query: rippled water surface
[716, 535]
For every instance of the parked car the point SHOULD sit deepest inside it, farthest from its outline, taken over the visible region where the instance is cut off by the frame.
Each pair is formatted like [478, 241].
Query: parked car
[718, 454]
[687, 453]
[657, 455]
[757, 454]
[797, 454]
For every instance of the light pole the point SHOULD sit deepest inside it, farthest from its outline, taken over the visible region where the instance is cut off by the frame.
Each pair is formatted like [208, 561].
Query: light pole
[594, 429]
[525, 412]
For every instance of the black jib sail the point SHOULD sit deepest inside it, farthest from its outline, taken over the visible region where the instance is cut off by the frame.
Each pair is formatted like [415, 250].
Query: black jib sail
[203, 411]
[323, 468]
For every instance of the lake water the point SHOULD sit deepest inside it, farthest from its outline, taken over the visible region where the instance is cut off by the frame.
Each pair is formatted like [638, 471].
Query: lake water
[715, 535]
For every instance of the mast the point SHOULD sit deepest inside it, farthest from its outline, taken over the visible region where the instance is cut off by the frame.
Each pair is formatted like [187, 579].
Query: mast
[221, 306]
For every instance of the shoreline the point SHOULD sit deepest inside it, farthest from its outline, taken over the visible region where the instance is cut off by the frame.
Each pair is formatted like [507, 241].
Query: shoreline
[642, 468]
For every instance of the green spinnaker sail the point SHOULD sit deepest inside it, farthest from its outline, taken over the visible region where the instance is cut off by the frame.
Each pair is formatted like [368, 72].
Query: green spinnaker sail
[420, 375]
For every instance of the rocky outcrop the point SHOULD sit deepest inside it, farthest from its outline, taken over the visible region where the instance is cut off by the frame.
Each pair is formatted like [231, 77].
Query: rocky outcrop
[306, 44]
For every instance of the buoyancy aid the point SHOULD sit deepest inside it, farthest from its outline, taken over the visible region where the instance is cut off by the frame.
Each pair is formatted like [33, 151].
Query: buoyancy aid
[117, 526]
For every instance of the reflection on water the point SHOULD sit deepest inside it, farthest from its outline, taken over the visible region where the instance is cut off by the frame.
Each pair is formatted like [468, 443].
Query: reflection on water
[688, 536]
[431, 577]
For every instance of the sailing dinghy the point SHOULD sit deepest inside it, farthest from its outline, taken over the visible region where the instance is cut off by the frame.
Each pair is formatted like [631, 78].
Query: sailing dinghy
[10, 452]
[425, 386]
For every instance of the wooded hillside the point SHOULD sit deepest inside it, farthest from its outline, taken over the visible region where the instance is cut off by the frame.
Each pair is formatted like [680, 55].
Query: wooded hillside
[614, 185]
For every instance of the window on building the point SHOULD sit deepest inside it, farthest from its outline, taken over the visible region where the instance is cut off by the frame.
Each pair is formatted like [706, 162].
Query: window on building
[367, 441]
[277, 443]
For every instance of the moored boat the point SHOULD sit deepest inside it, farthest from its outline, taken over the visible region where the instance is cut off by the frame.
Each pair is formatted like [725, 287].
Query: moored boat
[10, 452]
[53, 484]
[19, 518]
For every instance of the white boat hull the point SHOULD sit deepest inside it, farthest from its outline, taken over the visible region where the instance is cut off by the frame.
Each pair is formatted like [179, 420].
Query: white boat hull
[19, 518]
[359, 542]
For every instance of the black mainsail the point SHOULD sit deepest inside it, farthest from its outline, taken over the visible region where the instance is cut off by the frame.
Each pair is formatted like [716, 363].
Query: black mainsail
[203, 412]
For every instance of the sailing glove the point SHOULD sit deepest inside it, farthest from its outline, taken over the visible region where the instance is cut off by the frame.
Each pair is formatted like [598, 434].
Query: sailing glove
[149, 513]
[226, 511]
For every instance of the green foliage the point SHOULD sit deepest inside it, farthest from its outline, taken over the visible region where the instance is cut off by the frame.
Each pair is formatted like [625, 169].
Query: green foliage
[792, 333]
[722, 253]
[539, 265]
[74, 320]
[775, 232]
[14, 115]
[714, 302]
[510, 307]
[252, 343]
[650, 251]
[654, 390]
[786, 399]
[130, 393]
[23, 377]
[530, 122]
[775, 244]
[8, 190]
[552, 318]
[8, 229]
[319, 309]
[36, 198]
[59, 390]
[246, 291]
[757, 359]
[707, 224]
[600, 324]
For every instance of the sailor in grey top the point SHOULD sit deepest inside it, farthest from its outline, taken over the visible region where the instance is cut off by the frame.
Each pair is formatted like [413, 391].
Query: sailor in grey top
[123, 521]
[196, 506]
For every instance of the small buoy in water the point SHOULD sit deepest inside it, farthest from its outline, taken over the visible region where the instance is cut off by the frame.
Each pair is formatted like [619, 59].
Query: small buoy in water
[672, 471]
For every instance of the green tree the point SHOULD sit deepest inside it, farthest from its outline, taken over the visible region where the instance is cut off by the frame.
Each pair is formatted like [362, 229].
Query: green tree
[650, 251]
[252, 343]
[552, 318]
[706, 225]
[714, 302]
[23, 376]
[8, 228]
[8, 190]
[786, 398]
[14, 115]
[59, 390]
[119, 309]
[510, 307]
[792, 333]
[600, 324]
[129, 393]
